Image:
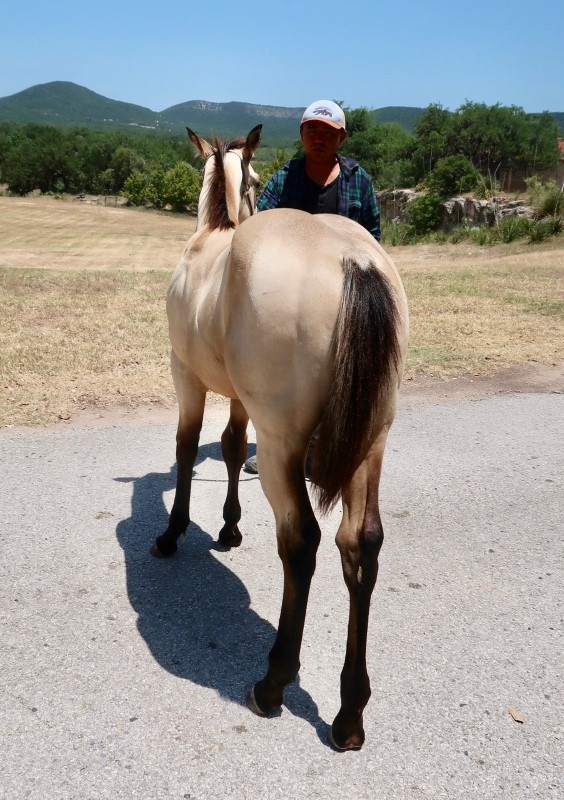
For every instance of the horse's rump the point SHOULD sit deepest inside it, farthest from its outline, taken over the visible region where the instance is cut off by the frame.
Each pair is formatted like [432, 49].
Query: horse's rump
[314, 314]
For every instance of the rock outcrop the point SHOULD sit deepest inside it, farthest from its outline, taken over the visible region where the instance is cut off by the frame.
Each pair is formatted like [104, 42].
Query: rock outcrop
[460, 210]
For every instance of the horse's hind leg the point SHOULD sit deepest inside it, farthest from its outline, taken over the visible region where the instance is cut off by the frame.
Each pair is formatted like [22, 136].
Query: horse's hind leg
[359, 540]
[191, 395]
[234, 449]
[298, 538]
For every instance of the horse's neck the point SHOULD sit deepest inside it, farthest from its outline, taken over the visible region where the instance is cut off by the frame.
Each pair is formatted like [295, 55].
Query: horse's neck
[232, 195]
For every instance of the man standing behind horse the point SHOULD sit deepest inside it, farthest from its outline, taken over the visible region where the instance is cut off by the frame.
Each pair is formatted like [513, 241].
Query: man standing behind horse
[322, 181]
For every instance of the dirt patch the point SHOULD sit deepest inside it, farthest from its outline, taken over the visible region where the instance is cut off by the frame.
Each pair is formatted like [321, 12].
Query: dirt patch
[421, 390]
[529, 378]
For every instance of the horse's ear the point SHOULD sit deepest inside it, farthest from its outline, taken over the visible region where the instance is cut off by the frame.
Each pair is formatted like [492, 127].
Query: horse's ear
[252, 142]
[204, 148]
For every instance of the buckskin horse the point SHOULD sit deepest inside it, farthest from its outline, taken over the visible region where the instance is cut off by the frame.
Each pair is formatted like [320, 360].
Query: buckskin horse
[302, 322]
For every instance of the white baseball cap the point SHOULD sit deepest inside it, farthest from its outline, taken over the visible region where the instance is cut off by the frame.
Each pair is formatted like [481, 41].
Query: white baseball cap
[325, 111]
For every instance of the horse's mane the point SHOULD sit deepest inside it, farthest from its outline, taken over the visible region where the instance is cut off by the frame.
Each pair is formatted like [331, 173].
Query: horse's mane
[218, 213]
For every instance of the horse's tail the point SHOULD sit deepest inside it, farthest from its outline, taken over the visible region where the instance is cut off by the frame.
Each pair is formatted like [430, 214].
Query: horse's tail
[366, 353]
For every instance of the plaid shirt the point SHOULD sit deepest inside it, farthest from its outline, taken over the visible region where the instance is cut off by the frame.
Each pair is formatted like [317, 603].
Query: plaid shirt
[355, 198]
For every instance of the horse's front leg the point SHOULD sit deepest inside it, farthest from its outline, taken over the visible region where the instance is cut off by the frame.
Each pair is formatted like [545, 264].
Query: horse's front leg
[298, 538]
[359, 540]
[234, 449]
[191, 395]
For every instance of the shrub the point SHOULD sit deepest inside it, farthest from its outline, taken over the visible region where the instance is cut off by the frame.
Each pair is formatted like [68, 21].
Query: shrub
[452, 175]
[425, 213]
[486, 186]
[513, 227]
[459, 234]
[535, 189]
[135, 189]
[545, 228]
[396, 233]
[481, 235]
[552, 204]
[181, 186]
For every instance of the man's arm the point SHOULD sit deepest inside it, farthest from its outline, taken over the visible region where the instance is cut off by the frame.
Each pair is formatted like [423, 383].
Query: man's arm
[370, 215]
[369, 212]
[271, 194]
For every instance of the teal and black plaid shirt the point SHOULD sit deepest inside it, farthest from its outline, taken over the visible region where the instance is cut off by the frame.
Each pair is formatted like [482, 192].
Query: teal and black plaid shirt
[355, 198]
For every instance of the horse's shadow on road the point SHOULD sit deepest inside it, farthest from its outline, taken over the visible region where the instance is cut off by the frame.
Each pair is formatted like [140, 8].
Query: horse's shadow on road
[193, 612]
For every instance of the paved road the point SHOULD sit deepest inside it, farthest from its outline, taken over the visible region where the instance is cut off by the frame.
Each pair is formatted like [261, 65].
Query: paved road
[123, 676]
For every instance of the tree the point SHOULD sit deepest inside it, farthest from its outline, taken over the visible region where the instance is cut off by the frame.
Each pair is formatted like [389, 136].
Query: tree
[451, 175]
[381, 149]
[135, 188]
[124, 162]
[181, 186]
[433, 139]
[155, 188]
[425, 213]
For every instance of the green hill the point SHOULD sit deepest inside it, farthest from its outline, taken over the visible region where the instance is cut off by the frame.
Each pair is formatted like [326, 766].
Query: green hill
[406, 116]
[559, 117]
[66, 104]
[234, 119]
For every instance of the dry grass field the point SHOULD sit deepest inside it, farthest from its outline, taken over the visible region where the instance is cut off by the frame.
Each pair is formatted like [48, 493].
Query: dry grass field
[82, 321]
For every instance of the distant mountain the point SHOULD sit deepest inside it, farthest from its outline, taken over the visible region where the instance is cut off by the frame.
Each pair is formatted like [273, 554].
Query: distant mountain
[559, 117]
[406, 116]
[63, 103]
[66, 104]
[233, 119]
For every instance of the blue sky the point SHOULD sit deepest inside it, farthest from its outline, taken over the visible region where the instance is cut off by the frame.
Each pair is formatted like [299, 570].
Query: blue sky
[364, 52]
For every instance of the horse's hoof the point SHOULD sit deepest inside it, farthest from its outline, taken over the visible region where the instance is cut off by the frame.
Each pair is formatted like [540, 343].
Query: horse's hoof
[256, 709]
[353, 742]
[230, 536]
[163, 549]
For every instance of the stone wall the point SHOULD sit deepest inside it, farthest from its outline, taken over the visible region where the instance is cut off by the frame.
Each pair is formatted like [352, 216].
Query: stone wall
[456, 211]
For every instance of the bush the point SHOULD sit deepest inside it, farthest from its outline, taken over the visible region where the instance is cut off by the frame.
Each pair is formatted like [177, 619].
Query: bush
[181, 186]
[481, 235]
[486, 186]
[459, 234]
[513, 227]
[396, 233]
[552, 203]
[545, 228]
[135, 189]
[452, 175]
[425, 213]
[535, 190]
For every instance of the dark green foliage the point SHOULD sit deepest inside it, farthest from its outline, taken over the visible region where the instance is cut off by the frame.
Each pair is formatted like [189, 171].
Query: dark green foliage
[406, 116]
[543, 230]
[444, 152]
[425, 213]
[181, 187]
[552, 203]
[81, 160]
[178, 187]
[451, 175]
[382, 149]
[491, 137]
[513, 227]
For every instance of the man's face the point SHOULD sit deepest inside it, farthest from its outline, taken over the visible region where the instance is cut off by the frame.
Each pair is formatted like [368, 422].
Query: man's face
[320, 140]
